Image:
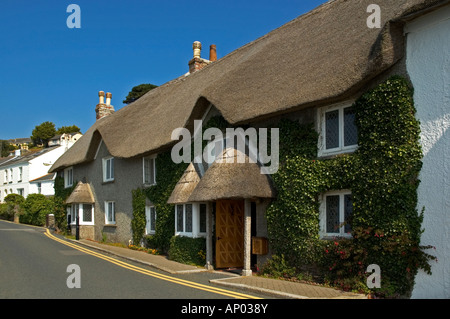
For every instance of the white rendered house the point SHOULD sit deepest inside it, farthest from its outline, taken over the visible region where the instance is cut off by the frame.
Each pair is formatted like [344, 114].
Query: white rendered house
[27, 173]
[428, 65]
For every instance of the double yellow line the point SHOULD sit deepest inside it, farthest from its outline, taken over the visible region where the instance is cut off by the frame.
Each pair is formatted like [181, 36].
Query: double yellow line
[151, 273]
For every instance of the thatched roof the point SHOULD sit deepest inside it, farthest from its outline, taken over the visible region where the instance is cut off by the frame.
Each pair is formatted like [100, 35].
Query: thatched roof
[82, 194]
[321, 57]
[231, 179]
[185, 186]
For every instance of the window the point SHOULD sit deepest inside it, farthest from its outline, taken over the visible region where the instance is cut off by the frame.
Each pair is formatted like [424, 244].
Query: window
[335, 214]
[150, 216]
[108, 169]
[5, 177]
[338, 132]
[10, 176]
[84, 211]
[20, 174]
[20, 191]
[68, 177]
[149, 168]
[190, 219]
[110, 213]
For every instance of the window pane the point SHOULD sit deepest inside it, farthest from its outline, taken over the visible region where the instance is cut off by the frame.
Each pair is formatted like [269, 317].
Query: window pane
[348, 209]
[112, 167]
[203, 218]
[332, 129]
[189, 218]
[110, 214]
[87, 213]
[146, 171]
[152, 218]
[180, 218]
[332, 222]
[350, 130]
[76, 211]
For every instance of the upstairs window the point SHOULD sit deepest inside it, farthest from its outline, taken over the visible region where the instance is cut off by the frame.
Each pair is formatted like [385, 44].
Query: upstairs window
[337, 129]
[108, 169]
[68, 177]
[149, 170]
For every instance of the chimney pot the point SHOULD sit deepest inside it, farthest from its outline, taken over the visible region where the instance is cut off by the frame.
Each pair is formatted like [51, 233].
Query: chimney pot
[197, 46]
[108, 98]
[101, 96]
[212, 53]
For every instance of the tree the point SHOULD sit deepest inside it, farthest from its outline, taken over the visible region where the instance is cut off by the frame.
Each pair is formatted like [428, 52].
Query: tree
[68, 129]
[43, 133]
[138, 91]
[5, 148]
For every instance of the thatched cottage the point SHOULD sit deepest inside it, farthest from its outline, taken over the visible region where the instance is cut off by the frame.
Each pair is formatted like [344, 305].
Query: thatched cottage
[311, 71]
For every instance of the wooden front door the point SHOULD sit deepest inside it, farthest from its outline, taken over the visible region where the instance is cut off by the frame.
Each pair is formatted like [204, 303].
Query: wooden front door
[229, 233]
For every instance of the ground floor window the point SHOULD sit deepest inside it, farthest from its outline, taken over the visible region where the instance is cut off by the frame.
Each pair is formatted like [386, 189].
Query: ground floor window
[110, 213]
[190, 219]
[150, 217]
[84, 211]
[335, 211]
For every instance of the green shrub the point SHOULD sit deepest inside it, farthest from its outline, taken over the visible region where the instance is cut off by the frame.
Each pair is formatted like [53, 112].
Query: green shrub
[188, 250]
[277, 267]
[36, 207]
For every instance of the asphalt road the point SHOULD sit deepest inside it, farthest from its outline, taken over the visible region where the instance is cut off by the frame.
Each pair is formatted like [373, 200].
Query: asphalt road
[32, 265]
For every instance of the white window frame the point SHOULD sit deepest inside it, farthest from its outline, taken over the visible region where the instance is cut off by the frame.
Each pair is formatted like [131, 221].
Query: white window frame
[153, 168]
[78, 209]
[108, 213]
[108, 175]
[195, 233]
[150, 226]
[20, 174]
[68, 177]
[323, 214]
[341, 149]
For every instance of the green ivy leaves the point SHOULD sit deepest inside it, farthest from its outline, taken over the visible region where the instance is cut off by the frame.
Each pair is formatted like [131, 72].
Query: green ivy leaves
[383, 177]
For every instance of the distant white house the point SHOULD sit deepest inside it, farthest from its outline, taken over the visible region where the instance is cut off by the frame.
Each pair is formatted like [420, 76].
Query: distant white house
[65, 139]
[26, 172]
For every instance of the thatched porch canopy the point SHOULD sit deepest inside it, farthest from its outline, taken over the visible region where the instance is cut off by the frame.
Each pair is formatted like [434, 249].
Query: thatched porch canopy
[185, 186]
[82, 194]
[232, 179]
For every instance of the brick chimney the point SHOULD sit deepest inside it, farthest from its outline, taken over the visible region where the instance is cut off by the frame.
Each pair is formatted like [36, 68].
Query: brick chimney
[197, 62]
[104, 109]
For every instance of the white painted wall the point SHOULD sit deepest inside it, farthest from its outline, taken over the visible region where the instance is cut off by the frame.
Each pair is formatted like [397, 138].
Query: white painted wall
[428, 64]
[35, 168]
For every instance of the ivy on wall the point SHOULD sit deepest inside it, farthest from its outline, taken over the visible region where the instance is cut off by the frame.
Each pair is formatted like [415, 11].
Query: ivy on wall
[383, 177]
[61, 194]
[167, 175]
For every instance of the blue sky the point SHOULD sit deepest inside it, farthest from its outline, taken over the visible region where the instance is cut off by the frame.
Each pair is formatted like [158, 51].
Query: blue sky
[49, 72]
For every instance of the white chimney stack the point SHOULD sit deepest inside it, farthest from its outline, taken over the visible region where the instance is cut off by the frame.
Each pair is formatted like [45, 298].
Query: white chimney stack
[108, 98]
[101, 96]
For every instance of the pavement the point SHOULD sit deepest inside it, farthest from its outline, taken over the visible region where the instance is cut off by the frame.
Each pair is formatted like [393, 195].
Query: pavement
[274, 287]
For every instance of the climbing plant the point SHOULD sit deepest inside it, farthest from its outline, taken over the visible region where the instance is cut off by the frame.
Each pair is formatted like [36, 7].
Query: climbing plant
[383, 177]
